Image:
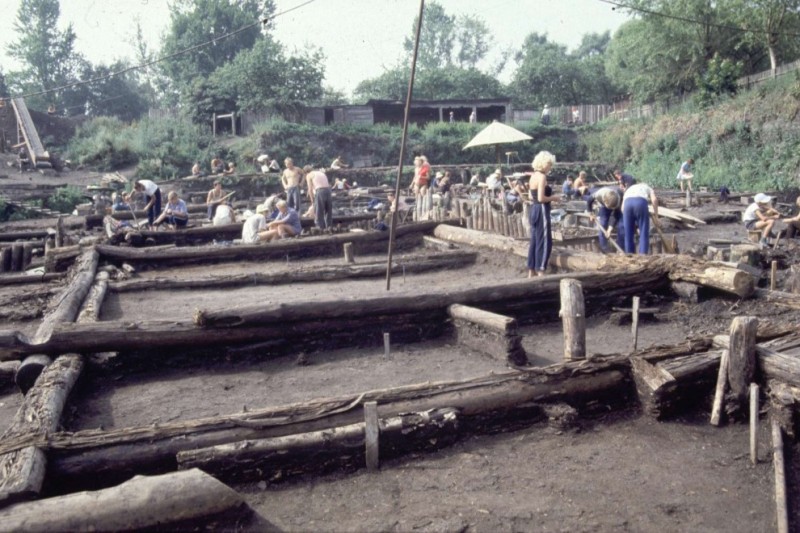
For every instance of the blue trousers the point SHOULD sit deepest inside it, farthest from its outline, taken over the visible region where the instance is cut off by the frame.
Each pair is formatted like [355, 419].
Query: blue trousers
[604, 217]
[155, 209]
[293, 198]
[541, 238]
[323, 208]
[636, 215]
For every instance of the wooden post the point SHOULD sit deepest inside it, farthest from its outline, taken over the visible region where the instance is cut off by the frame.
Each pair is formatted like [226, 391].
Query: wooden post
[754, 423]
[719, 393]
[5, 259]
[781, 509]
[371, 434]
[635, 323]
[773, 276]
[688, 198]
[348, 253]
[573, 316]
[387, 344]
[60, 232]
[742, 362]
[16, 257]
[27, 253]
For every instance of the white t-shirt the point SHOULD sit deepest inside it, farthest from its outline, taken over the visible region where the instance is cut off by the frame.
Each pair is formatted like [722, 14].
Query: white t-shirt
[637, 190]
[251, 228]
[223, 215]
[150, 187]
[750, 213]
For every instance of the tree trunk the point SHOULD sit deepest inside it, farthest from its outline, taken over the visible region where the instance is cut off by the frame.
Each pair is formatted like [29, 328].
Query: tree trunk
[142, 502]
[318, 451]
[409, 235]
[411, 264]
[573, 317]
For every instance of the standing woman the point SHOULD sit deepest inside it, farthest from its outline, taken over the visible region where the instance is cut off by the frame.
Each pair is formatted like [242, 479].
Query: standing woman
[541, 196]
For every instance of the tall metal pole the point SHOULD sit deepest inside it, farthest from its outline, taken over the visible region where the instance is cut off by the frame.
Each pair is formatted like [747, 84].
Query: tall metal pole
[403, 147]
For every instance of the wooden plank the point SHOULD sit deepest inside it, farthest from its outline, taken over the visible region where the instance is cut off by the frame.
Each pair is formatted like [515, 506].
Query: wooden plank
[371, 435]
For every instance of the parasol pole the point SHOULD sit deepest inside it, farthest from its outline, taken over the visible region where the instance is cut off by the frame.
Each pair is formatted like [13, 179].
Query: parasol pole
[403, 147]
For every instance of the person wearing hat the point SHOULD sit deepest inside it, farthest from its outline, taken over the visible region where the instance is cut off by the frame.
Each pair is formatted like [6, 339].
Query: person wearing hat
[609, 199]
[636, 214]
[255, 226]
[267, 164]
[495, 181]
[760, 216]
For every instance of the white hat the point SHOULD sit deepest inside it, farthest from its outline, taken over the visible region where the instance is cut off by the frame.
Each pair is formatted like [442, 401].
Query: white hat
[262, 158]
[440, 174]
[261, 208]
[762, 198]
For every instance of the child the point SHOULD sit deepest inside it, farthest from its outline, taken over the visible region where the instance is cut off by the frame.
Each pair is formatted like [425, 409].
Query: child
[760, 215]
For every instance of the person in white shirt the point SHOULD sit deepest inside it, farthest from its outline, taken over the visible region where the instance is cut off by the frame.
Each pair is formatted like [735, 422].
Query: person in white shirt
[152, 196]
[254, 226]
[760, 215]
[636, 214]
[224, 215]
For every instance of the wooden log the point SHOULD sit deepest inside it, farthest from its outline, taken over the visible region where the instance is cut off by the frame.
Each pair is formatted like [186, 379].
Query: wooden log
[727, 279]
[489, 333]
[22, 471]
[687, 292]
[573, 317]
[666, 388]
[60, 238]
[771, 362]
[773, 276]
[9, 236]
[408, 235]
[28, 371]
[348, 253]
[784, 299]
[142, 502]
[783, 402]
[98, 454]
[411, 264]
[742, 362]
[719, 391]
[60, 259]
[8, 370]
[16, 257]
[781, 506]
[749, 254]
[319, 450]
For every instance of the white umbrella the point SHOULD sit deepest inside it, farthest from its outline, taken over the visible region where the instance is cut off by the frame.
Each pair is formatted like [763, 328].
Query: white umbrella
[497, 133]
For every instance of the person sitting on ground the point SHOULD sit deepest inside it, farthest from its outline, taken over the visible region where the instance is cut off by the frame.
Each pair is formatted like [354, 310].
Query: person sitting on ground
[338, 163]
[152, 195]
[761, 216]
[623, 180]
[224, 214]
[197, 172]
[255, 227]
[793, 222]
[566, 188]
[231, 170]
[119, 202]
[268, 164]
[217, 166]
[580, 181]
[214, 198]
[175, 213]
[287, 224]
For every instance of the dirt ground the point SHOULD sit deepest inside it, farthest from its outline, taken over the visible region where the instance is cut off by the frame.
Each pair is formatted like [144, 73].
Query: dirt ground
[618, 471]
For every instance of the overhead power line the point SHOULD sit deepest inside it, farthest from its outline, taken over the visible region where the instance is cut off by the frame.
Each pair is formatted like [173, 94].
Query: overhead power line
[696, 21]
[146, 64]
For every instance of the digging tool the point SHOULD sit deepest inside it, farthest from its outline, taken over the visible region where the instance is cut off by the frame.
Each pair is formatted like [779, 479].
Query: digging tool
[667, 244]
[608, 237]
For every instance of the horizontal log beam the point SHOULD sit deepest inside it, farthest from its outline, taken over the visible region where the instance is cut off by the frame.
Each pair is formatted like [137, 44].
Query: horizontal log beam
[29, 279]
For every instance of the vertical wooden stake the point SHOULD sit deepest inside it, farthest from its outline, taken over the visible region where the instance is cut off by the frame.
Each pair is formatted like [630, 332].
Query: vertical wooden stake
[5, 259]
[719, 393]
[781, 509]
[573, 316]
[635, 323]
[371, 434]
[754, 423]
[27, 253]
[348, 253]
[60, 232]
[742, 362]
[16, 257]
[387, 344]
[688, 198]
[674, 244]
[773, 276]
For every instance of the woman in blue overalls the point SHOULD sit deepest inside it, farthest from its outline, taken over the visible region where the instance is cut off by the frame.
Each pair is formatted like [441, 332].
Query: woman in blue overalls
[541, 197]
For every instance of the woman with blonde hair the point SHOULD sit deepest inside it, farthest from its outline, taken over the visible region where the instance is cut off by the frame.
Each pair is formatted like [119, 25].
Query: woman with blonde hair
[541, 196]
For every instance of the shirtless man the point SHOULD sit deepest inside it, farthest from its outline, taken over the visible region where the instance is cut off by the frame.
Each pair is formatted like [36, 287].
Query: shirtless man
[291, 178]
[214, 198]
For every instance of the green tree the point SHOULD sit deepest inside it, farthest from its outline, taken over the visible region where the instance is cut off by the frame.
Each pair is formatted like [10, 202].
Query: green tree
[545, 74]
[193, 22]
[772, 22]
[436, 40]
[3, 86]
[433, 84]
[47, 53]
[118, 96]
[719, 78]
[471, 37]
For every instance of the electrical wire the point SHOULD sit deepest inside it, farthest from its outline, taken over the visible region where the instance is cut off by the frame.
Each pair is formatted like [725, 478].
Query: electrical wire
[146, 64]
[695, 21]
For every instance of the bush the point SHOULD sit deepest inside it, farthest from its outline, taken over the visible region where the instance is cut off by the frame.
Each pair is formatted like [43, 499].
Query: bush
[65, 199]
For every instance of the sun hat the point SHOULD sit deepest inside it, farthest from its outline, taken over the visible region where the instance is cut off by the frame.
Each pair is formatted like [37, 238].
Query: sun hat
[762, 198]
[440, 174]
[261, 208]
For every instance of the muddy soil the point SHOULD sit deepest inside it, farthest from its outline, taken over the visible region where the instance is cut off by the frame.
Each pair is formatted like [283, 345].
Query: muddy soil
[619, 471]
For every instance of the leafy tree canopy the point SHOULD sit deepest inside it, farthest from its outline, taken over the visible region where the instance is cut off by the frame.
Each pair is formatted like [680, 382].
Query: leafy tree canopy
[453, 82]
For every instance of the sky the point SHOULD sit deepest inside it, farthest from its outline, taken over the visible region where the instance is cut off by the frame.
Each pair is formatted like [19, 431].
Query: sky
[360, 38]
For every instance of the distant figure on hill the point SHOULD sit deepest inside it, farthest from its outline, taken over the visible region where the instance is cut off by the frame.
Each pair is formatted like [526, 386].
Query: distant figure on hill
[231, 169]
[685, 173]
[546, 115]
[267, 164]
[338, 163]
[23, 161]
[473, 118]
[197, 171]
[217, 166]
[452, 117]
